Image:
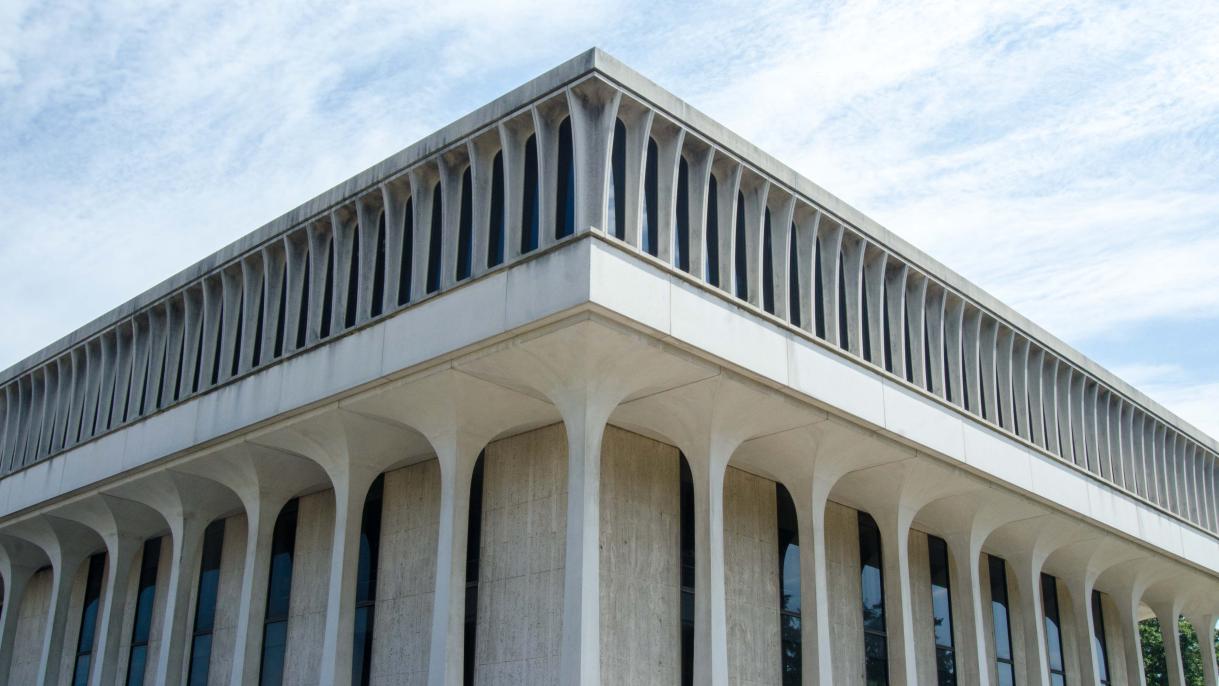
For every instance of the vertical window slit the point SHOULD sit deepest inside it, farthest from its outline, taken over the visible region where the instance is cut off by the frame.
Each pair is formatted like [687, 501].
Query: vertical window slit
[651, 215]
[686, 539]
[741, 259]
[408, 254]
[791, 643]
[681, 244]
[378, 271]
[793, 278]
[302, 322]
[768, 265]
[366, 584]
[495, 228]
[872, 586]
[1001, 622]
[88, 620]
[529, 204]
[199, 661]
[281, 319]
[237, 336]
[328, 291]
[434, 241]
[565, 196]
[617, 189]
[844, 331]
[941, 610]
[279, 597]
[465, 228]
[473, 558]
[141, 630]
[258, 329]
[353, 281]
[713, 232]
[819, 289]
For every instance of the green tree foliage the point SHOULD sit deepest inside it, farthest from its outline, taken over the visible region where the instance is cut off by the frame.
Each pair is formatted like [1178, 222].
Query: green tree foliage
[1154, 661]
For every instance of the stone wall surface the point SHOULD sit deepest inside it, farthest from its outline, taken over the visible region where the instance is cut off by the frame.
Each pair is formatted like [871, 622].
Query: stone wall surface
[751, 579]
[310, 580]
[846, 616]
[31, 628]
[228, 596]
[520, 591]
[410, 515]
[640, 561]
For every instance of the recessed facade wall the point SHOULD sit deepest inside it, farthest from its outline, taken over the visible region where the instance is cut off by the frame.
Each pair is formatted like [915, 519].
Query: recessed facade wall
[31, 628]
[751, 579]
[640, 561]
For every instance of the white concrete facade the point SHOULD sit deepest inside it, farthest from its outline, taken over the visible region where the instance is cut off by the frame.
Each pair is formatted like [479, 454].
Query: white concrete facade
[584, 363]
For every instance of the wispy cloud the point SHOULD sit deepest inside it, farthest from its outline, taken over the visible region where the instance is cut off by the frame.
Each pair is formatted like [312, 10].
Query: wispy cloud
[1065, 157]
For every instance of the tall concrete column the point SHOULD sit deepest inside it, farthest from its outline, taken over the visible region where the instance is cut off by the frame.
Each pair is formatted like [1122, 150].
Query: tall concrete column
[966, 554]
[584, 418]
[1081, 606]
[1204, 626]
[252, 604]
[447, 652]
[894, 528]
[15, 580]
[1168, 614]
[1132, 643]
[350, 492]
[63, 574]
[121, 551]
[817, 663]
[186, 537]
[1027, 568]
[707, 469]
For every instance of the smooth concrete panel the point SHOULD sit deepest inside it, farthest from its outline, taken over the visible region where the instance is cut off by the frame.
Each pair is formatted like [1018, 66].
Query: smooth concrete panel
[704, 321]
[629, 287]
[824, 376]
[406, 574]
[846, 612]
[520, 589]
[1000, 457]
[310, 581]
[751, 579]
[1058, 484]
[228, 597]
[532, 290]
[31, 628]
[921, 420]
[640, 561]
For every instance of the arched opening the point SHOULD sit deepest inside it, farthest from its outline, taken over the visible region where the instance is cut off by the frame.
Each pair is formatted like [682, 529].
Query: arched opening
[465, 229]
[872, 590]
[1001, 621]
[141, 626]
[434, 240]
[565, 193]
[366, 584]
[408, 253]
[739, 248]
[529, 201]
[206, 599]
[681, 243]
[281, 320]
[793, 278]
[88, 619]
[495, 222]
[791, 642]
[844, 332]
[712, 265]
[235, 361]
[302, 315]
[1055, 656]
[651, 214]
[1100, 646]
[818, 291]
[328, 289]
[473, 547]
[279, 597]
[617, 189]
[768, 265]
[378, 270]
[941, 611]
[216, 343]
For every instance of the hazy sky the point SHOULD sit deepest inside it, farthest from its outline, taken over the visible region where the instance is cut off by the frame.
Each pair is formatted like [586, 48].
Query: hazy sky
[1064, 158]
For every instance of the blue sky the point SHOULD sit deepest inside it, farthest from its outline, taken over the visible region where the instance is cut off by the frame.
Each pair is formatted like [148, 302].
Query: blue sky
[1064, 158]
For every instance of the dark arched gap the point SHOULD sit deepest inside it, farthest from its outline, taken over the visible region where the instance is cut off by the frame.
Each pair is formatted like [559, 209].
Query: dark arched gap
[217, 342]
[473, 550]
[998, 410]
[141, 625]
[1053, 630]
[906, 346]
[965, 379]
[378, 270]
[139, 412]
[161, 381]
[565, 193]
[529, 201]
[366, 584]
[986, 412]
[844, 332]
[793, 279]
[465, 229]
[651, 196]
[199, 660]
[712, 265]
[434, 240]
[872, 594]
[617, 189]
[1001, 621]
[279, 597]
[949, 393]
[328, 291]
[495, 222]
[818, 292]
[681, 244]
[258, 327]
[886, 335]
[789, 588]
[198, 376]
[88, 619]
[741, 261]
[353, 281]
[941, 612]
[866, 321]
[282, 319]
[686, 537]
[768, 265]
[302, 320]
[406, 267]
[927, 354]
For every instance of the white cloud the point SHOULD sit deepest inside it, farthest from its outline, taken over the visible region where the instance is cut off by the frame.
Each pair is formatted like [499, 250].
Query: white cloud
[1065, 157]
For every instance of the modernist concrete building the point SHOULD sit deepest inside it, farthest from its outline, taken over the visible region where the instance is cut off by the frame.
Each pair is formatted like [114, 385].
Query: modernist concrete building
[585, 389]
